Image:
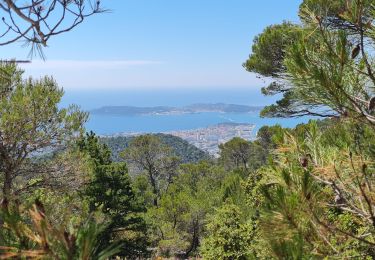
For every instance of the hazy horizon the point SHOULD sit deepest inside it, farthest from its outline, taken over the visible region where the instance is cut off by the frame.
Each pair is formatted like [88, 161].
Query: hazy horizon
[94, 98]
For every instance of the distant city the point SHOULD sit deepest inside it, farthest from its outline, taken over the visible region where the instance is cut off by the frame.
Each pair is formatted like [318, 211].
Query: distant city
[209, 138]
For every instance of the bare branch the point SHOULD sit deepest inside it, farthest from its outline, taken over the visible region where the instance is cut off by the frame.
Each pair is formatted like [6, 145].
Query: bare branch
[36, 21]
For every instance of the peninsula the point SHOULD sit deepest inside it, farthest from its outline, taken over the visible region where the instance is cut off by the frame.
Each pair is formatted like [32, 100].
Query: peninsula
[167, 110]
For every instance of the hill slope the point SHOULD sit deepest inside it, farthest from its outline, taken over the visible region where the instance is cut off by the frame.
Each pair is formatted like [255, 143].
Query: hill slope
[187, 152]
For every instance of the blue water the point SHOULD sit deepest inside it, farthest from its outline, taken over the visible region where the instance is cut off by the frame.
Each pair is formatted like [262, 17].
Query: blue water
[106, 125]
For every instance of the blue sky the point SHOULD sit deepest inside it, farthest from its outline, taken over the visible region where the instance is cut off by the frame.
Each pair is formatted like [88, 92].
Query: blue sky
[160, 44]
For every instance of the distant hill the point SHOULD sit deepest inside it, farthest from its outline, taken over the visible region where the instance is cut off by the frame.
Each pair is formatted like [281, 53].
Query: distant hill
[187, 152]
[165, 110]
[130, 111]
[222, 107]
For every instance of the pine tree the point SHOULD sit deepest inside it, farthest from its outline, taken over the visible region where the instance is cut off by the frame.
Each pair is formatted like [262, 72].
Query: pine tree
[110, 190]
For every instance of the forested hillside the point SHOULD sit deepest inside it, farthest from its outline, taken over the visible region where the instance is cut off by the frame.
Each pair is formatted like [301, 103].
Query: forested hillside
[301, 193]
[186, 152]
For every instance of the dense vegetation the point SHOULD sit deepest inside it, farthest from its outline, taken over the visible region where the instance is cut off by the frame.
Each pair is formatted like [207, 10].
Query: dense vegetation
[187, 153]
[301, 193]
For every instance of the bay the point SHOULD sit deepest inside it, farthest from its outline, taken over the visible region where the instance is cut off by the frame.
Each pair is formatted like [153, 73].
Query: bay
[108, 125]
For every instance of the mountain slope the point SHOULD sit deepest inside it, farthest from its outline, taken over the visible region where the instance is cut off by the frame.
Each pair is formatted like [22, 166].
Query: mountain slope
[187, 152]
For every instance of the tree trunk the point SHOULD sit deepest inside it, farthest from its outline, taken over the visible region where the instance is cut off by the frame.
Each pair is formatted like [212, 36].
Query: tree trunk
[195, 239]
[7, 187]
[154, 188]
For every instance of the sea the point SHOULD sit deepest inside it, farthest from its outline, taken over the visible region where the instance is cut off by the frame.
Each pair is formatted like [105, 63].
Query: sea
[111, 125]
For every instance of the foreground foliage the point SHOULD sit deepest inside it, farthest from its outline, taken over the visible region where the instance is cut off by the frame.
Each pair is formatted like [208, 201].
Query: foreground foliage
[111, 192]
[316, 194]
[302, 193]
[228, 236]
[31, 234]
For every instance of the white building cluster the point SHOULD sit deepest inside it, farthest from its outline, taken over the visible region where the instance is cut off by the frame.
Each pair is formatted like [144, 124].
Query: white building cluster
[208, 139]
